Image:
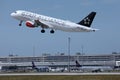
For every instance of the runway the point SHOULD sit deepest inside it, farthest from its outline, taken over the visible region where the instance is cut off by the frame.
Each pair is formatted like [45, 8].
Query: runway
[29, 74]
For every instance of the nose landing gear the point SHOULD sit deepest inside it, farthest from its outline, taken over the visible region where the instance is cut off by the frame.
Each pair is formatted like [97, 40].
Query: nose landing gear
[20, 24]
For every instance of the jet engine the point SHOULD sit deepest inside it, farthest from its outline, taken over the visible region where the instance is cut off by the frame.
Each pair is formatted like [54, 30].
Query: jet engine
[30, 24]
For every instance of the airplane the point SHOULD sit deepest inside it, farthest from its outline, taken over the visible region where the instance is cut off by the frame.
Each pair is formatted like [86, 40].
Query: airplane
[33, 20]
[92, 68]
[39, 69]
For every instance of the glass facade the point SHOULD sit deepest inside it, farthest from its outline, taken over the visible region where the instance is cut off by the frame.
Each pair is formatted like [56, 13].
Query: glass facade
[62, 58]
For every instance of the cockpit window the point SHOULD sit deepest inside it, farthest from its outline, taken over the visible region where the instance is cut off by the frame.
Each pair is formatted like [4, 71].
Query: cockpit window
[15, 12]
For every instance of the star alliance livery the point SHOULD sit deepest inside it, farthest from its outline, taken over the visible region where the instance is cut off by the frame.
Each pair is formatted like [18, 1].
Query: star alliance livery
[33, 20]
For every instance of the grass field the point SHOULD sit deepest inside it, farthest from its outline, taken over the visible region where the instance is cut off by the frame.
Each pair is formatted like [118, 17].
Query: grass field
[51, 77]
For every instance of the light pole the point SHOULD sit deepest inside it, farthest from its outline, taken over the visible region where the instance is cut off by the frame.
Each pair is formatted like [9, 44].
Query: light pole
[69, 54]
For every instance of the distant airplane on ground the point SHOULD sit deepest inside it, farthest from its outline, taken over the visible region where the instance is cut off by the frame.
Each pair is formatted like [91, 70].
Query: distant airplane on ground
[40, 69]
[34, 66]
[33, 20]
[93, 68]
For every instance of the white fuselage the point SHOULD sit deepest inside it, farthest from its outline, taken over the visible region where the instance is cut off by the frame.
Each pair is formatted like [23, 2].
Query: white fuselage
[53, 23]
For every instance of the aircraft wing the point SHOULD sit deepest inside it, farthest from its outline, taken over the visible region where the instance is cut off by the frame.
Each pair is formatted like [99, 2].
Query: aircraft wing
[42, 24]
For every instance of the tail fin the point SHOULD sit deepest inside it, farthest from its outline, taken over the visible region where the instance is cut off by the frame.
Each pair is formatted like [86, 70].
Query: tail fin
[87, 21]
[33, 65]
[77, 64]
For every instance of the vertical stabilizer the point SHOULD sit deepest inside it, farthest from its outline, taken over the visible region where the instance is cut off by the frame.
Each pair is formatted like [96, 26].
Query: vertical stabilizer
[87, 21]
[77, 64]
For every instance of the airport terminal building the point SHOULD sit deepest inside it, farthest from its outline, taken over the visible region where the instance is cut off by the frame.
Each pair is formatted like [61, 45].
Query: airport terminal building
[62, 60]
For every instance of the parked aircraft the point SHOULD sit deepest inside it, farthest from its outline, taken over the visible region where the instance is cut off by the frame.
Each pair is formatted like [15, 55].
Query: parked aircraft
[33, 20]
[92, 68]
[39, 68]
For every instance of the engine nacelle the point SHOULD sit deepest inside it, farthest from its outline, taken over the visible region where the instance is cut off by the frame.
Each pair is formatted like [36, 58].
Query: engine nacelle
[30, 24]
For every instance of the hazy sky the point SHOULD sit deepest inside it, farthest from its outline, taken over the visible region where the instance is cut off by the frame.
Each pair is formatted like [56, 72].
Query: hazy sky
[22, 40]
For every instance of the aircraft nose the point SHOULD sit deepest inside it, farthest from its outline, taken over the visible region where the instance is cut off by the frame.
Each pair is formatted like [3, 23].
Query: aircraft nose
[12, 14]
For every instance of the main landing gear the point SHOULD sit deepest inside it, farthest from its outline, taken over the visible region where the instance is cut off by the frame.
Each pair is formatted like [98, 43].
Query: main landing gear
[42, 31]
[51, 31]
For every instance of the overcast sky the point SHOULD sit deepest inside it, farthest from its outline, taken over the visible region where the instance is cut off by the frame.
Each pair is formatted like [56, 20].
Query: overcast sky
[22, 40]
